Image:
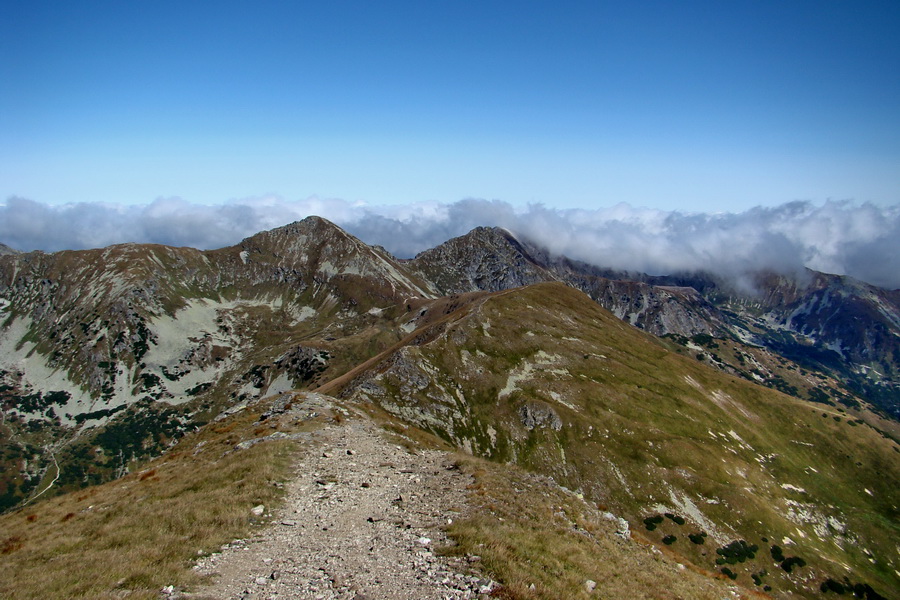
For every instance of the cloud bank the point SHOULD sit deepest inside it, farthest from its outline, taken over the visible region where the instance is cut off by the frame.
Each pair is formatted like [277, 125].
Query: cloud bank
[845, 238]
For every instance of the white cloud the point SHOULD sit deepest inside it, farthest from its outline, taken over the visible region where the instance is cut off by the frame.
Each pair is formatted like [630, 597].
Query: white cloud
[861, 240]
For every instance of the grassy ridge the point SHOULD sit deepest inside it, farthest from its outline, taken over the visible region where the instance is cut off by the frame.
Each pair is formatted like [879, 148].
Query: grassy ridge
[644, 431]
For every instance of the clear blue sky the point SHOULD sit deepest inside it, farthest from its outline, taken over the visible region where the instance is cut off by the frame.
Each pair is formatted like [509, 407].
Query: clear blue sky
[699, 106]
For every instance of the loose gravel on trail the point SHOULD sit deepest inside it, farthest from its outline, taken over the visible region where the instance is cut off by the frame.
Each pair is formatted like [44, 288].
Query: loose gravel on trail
[362, 520]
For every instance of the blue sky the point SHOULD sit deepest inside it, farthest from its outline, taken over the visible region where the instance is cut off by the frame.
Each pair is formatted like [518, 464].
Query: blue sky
[691, 106]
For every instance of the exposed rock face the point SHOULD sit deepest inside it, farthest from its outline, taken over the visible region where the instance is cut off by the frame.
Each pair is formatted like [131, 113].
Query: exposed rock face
[4, 249]
[821, 321]
[539, 414]
[129, 346]
[486, 259]
[857, 320]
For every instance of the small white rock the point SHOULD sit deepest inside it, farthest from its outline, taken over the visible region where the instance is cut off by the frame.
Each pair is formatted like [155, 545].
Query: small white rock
[258, 510]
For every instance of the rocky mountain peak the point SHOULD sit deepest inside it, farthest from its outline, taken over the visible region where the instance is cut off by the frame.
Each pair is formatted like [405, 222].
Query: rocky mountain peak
[485, 259]
[4, 249]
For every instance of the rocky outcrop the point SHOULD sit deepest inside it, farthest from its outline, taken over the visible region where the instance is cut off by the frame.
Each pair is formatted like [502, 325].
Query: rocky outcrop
[539, 414]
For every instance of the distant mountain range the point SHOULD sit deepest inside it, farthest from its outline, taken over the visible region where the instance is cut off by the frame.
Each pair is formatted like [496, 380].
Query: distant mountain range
[766, 411]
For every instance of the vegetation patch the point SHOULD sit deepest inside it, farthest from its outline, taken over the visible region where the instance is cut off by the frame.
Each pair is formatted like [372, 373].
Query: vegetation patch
[651, 522]
[859, 590]
[542, 542]
[697, 538]
[675, 518]
[98, 414]
[735, 552]
[130, 537]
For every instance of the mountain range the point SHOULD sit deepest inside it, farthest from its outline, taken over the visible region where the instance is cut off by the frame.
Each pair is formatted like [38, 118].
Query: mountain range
[759, 412]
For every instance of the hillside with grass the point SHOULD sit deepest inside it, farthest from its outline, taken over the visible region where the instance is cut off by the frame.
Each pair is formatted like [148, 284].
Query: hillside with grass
[656, 430]
[734, 477]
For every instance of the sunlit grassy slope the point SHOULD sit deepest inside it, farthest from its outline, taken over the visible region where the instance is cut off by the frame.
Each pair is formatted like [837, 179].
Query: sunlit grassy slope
[543, 377]
[131, 537]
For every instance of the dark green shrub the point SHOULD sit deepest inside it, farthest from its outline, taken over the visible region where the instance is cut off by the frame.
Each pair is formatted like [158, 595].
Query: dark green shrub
[669, 540]
[737, 551]
[790, 562]
[777, 553]
[652, 522]
[677, 519]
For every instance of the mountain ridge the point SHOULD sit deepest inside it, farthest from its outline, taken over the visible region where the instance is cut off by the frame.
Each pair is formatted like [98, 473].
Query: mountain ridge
[109, 356]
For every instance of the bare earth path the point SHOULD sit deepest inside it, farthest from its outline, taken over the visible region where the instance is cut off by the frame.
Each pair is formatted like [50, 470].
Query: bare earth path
[361, 521]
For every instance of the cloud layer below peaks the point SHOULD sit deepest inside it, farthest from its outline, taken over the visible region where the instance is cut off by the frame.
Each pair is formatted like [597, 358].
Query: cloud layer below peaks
[845, 238]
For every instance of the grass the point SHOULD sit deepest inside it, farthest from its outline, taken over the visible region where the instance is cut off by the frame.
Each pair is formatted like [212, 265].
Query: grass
[133, 536]
[542, 542]
[646, 430]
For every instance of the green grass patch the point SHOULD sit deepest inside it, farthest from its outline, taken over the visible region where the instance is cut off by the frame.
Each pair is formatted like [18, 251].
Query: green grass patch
[132, 536]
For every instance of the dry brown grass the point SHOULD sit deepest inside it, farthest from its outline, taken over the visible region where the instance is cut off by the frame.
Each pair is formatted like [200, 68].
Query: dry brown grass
[133, 536]
[543, 543]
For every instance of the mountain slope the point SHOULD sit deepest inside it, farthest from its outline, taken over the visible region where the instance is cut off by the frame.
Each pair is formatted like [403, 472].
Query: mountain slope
[540, 377]
[492, 259]
[848, 330]
[164, 338]
[837, 325]
[108, 357]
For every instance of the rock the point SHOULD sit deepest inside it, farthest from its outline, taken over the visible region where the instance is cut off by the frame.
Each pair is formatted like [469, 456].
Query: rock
[589, 586]
[423, 541]
[539, 414]
[289, 523]
[261, 581]
[258, 510]
[622, 528]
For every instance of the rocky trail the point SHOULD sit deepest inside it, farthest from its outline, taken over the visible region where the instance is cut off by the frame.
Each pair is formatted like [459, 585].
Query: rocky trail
[362, 520]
